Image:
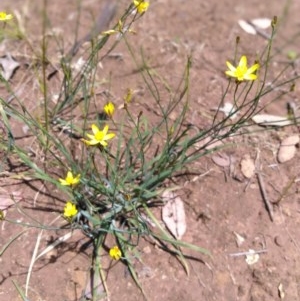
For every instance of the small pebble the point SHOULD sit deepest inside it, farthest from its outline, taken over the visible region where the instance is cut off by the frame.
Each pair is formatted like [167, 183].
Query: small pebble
[278, 241]
[147, 250]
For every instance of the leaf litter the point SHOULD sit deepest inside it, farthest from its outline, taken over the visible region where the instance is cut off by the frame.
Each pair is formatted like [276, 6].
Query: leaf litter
[288, 148]
[256, 26]
[9, 199]
[221, 160]
[271, 120]
[9, 65]
[173, 214]
[247, 166]
[228, 109]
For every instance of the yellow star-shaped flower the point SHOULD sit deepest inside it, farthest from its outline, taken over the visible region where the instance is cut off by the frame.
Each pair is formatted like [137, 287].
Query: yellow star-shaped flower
[98, 137]
[141, 6]
[109, 109]
[115, 253]
[70, 180]
[5, 17]
[242, 72]
[70, 210]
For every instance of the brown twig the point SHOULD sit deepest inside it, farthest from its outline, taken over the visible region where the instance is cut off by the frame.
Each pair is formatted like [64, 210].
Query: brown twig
[248, 253]
[268, 204]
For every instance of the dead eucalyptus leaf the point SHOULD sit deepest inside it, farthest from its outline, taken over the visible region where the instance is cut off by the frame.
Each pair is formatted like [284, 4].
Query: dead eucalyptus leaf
[221, 160]
[281, 291]
[253, 26]
[291, 140]
[247, 27]
[9, 65]
[173, 214]
[94, 286]
[247, 166]
[271, 120]
[9, 199]
[262, 23]
[228, 109]
[287, 149]
[58, 241]
[239, 239]
[208, 143]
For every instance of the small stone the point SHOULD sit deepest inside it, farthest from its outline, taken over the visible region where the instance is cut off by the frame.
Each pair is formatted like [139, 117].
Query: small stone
[247, 166]
[287, 149]
[278, 241]
[147, 250]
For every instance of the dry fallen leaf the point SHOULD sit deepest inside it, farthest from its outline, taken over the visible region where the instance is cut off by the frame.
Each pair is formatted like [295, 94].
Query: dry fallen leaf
[8, 199]
[78, 66]
[262, 23]
[281, 291]
[58, 241]
[173, 214]
[239, 239]
[228, 109]
[271, 120]
[247, 166]
[254, 25]
[221, 160]
[287, 149]
[94, 286]
[9, 65]
[209, 143]
[247, 27]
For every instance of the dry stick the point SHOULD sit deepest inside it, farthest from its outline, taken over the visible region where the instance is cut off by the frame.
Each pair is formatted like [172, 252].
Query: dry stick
[102, 23]
[248, 253]
[264, 196]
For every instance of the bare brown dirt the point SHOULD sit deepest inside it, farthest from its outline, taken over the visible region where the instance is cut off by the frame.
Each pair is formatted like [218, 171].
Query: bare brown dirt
[220, 204]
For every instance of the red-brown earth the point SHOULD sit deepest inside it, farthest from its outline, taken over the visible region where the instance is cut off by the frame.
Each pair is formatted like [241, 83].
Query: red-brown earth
[220, 204]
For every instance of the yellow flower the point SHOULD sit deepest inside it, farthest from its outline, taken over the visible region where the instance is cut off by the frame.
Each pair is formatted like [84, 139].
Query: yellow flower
[109, 32]
[70, 180]
[5, 17]
[141, 6]
[121, 30]
[99, 137]
[109, 109]
[70, 210]
[115, 253]
[242, 72]
[128, 96]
